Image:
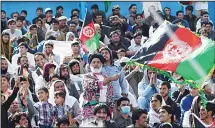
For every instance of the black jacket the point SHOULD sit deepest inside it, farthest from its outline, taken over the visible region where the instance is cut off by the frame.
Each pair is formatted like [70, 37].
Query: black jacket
[5, 106]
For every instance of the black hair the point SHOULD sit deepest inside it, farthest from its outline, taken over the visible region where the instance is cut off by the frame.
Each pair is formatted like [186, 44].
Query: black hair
[54, 76]
[10, 21]
[100, 106]
[114, 32]
[24, 44]
[210, 107]
[131, 6]
[39, 54]
[166, 83]
[39, 19]
[179, 12]
[32, 26]
[122, 99]
[190, 8]
[57, 15]
[75, 10]
[5, 76]
[137, 113]
[3, 11]
[157, 96]
[20, 57]
[24, 11]
[62, 120]
[204, 12]
[45, 89]
[21, 18]
[169, 110]
[58, 7]
[95, 6]
[74, 16]
[137, 34]
[167, 8]
[39, 8]
[210, 23]
[60, 94]
[51, 38]
[55, 21]
[17, 116]
[23, 40]
[99, 14]
[137, 16]
[42, 16]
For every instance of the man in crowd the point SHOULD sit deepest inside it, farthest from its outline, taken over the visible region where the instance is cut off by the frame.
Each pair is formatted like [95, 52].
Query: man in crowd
[124, 119]
[190, 18]
[139, 119]
[180, 20]
[95, 10]
[165, 88]
[133, 11]
[167, 15]
[39, 12]
[207, 113]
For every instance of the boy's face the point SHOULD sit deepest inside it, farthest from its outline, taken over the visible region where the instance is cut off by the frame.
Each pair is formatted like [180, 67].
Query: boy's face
[42, 95]
[58, 100]
[121, 54]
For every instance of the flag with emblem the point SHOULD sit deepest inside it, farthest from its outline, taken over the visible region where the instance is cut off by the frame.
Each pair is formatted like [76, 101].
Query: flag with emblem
[184, 53]
[88, 35]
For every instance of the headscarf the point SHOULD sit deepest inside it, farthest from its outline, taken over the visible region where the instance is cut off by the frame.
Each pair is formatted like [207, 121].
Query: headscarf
[146, 78]
[195, 110]
[69, 34]
[69, 100]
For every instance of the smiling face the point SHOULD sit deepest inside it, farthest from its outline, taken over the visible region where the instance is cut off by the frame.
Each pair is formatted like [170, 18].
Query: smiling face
[164, 116]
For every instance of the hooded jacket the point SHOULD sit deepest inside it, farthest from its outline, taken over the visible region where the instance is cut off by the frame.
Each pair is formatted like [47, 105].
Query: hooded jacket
[69, 100]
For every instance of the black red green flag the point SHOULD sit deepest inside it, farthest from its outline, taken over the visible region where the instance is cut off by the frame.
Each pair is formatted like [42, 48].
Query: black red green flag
[88, 35]
[190, 56]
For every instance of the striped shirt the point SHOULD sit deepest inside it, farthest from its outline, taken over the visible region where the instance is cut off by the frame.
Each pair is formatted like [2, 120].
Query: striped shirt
[61, 111]
[45, 111]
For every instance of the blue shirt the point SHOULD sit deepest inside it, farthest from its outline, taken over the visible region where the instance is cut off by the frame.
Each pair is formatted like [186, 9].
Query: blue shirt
[120, 83]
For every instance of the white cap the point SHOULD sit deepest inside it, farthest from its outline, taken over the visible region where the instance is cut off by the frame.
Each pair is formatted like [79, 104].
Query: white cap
[48, 9]
[62, 18]
[124, 59]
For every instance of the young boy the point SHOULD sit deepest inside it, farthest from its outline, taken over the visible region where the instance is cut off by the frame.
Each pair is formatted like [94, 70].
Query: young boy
[60, 109]
[120, 53]
[44, 108]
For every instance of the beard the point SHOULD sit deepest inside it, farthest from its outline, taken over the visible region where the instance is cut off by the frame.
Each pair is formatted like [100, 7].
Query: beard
[3, 71]
[96, 70]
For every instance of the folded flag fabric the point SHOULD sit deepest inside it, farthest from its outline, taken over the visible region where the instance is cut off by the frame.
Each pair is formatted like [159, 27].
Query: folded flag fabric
[188, 55]
[88, 35]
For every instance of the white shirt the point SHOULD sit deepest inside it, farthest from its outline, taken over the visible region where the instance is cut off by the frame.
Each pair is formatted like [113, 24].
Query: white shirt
[35, 76]
[17, 33]
[201, 5]
[16, 56]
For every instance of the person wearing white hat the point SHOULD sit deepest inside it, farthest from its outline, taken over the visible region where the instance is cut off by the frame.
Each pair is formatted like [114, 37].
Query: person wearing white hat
[49, 15]
[63, 27]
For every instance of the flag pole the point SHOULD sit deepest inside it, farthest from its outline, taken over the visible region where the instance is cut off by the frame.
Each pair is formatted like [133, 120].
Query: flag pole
[83, 23]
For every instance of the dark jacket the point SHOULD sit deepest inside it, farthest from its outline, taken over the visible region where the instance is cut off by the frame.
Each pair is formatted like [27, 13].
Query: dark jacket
[175, 107]
[115, 48]
[176, 96]
[191, 21]
[5, 106]
[170, 18]
[174, 125]
[144, 27]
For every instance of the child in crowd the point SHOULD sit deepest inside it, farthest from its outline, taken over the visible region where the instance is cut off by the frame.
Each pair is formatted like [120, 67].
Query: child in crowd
[60, 109]
[120, 53]
[44, 108]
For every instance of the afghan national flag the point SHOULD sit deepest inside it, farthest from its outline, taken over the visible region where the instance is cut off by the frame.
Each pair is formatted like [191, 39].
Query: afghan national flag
[88, 35]
[190, 56]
